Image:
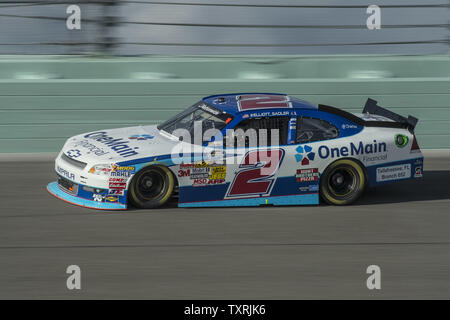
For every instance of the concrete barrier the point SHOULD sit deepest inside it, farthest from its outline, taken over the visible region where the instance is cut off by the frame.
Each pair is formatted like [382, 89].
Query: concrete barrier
[44, 100]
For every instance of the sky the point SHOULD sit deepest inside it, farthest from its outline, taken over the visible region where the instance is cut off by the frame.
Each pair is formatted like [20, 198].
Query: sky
[16, 30]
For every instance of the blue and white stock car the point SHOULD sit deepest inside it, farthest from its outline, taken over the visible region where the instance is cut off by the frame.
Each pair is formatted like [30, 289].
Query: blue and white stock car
[319, 152]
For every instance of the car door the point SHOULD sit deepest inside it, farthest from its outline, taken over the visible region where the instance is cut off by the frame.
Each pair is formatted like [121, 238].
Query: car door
[310, 133]
[259, 147]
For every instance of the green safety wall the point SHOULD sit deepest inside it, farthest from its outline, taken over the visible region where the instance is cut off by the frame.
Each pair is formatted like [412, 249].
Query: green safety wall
[44, 100]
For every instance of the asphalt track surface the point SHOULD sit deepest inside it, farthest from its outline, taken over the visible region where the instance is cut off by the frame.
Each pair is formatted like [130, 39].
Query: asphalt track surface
[313, 252]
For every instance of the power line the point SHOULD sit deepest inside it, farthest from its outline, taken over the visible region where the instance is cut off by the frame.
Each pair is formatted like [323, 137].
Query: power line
[283, 5]
[19, 4]
[438, 41]
[204, 4]
[103, 21]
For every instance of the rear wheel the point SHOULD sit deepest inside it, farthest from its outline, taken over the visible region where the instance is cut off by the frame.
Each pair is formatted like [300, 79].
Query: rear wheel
[151, 187]
[343, 182]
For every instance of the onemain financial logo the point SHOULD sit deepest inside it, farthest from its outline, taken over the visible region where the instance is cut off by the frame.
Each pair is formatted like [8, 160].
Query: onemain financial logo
[118, 145]
[371, 151]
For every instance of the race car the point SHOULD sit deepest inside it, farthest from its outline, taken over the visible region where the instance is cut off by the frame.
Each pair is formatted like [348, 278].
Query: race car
[245, 149]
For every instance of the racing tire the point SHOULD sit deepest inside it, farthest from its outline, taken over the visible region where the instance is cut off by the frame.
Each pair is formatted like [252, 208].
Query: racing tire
[151, 187]
[342, 182]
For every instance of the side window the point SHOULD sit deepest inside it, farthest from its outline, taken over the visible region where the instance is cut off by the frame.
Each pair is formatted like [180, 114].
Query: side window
[249, 131]
[312, 129]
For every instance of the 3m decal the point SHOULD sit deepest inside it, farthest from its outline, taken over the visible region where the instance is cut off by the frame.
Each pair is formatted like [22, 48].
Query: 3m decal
[259, 101]
[257, 174]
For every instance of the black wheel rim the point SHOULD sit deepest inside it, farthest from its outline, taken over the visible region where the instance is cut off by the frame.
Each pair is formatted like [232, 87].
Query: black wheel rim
[150, 185]
[342, 182]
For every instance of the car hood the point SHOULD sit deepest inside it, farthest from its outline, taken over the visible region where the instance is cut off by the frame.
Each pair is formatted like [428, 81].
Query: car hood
[115, 145]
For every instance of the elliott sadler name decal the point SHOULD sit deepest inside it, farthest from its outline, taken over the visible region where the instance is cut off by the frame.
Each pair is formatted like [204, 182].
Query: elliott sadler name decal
[355, 149]
[118, 145]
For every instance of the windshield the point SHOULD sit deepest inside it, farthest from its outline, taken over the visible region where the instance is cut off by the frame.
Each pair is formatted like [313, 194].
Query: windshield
[208, 116]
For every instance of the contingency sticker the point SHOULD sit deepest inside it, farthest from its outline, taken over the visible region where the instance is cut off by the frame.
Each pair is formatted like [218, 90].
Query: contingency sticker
[401, 171]
[307, 175]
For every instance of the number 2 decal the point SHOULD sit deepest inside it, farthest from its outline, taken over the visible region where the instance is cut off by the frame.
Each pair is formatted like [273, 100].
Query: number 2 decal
[256, 174]
[265, 101]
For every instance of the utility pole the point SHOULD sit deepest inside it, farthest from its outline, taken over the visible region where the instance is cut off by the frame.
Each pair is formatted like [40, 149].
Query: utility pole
[107, 41]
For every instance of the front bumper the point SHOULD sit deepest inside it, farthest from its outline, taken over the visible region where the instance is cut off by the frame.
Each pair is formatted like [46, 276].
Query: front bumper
[77, 186]
[85, 198]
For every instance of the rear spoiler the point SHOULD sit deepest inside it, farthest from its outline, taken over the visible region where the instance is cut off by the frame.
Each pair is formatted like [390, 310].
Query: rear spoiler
[372, 107]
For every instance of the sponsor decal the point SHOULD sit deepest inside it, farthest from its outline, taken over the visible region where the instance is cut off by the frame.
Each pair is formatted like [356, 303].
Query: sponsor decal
[141, 137]
[208, 109]
[65, 173]
[203, 173]
[218, 172]
[397, 172]
[401, 140]
[98, 197]
[304, 155]
[375, 151]
[418, 172]
[123, 174]
[91, 148]
[117, 183]
[310, 188]
[262, 101]
[116, 168]
[272, 114]
[307, 175]
[116, 192]
[122, 171]
[370, 151]
[204, 182]
[112, 199]
[118, 145]
[73, 153]
[348, 126]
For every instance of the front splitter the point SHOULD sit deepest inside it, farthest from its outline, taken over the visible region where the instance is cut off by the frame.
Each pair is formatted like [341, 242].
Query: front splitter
[54, 189]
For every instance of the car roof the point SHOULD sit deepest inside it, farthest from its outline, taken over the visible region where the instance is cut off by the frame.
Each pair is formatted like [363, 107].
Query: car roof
[235, 103]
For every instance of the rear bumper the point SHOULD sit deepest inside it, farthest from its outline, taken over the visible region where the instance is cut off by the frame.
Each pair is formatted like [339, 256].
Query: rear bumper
[58, 192]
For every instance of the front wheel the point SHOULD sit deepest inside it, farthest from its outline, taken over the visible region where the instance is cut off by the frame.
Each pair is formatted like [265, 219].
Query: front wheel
[343, 182]
[151, 187]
